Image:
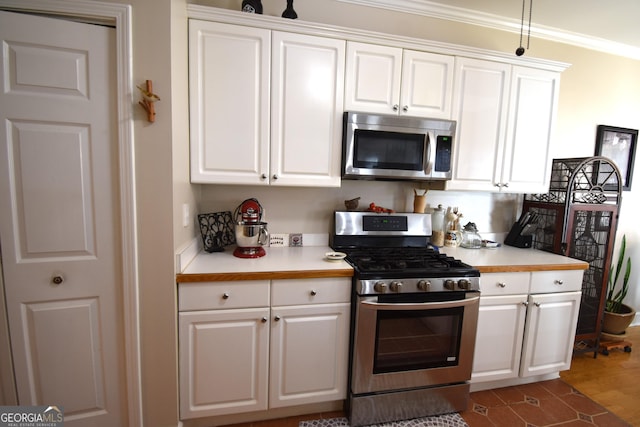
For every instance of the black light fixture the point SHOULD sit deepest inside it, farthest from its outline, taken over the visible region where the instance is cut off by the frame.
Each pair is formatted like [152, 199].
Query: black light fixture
[520, 49]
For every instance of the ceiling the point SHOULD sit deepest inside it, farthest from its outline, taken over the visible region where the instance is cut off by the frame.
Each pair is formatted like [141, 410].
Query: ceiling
[608, 26]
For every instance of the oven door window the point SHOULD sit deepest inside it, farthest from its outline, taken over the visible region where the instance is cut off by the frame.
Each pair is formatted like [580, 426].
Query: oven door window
[375, 149]
[421, 339]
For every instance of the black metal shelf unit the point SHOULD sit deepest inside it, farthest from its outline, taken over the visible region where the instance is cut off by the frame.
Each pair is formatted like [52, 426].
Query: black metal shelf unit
[578, 218]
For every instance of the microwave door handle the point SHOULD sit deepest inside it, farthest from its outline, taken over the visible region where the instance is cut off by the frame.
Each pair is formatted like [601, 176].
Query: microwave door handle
[419, 306]
[430, 154]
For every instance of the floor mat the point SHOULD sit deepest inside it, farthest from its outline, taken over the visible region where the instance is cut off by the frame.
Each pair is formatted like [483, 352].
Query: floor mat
[447, 420]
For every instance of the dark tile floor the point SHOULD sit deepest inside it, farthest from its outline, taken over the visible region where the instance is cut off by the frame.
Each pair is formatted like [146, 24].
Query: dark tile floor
[548, 403]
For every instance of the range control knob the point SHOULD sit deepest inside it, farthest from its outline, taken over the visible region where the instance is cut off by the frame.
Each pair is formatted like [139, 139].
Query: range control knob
[395, 286]
[424, 285]
[464, 284]
[450, 284]
[380, 287]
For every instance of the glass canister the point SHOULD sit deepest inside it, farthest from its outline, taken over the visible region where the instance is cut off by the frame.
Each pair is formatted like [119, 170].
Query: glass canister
[437, 226]
[470, 237]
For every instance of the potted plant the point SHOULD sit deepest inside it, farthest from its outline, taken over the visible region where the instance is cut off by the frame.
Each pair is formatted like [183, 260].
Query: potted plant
[617, 315]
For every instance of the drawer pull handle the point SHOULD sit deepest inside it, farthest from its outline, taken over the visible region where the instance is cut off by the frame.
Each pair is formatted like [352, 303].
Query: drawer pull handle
[277, 318]
[558, 282]
[313, 293]
[502, 285]
[264, 320]
[225, 296]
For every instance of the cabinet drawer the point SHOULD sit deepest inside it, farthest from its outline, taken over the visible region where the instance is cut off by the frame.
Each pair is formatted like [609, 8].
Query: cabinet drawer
[556, 281]
[310, 291]
[505, 283]
[221, 295]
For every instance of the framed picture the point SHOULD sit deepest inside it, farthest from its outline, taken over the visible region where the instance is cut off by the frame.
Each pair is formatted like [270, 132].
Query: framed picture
[619, 145]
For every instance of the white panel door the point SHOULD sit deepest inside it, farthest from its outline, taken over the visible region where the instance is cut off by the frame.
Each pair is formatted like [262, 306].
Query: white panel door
[223, 361]
[229, 75]
[481, 93]
[532, 110]
[427, 84]
[499, 338]
[372, 78]
[550, 333]
[306, 110]
[59, 223]
[309, 353]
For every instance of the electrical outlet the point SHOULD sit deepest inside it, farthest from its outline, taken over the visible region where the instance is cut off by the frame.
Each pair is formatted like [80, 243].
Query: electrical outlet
[295, 239]
[278, 240]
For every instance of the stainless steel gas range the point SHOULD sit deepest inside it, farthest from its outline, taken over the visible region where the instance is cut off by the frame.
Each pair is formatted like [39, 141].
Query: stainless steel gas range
[414, 318]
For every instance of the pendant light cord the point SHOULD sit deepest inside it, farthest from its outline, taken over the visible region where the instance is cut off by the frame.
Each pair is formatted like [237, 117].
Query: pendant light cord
[529, 33]
[522, 22]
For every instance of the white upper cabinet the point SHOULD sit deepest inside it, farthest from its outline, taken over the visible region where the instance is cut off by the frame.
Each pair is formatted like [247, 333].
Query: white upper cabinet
[532, 111]
[389, 80]
[266, 106]
[481, 96]
[229, 77]
[505, 116]
[306, 110]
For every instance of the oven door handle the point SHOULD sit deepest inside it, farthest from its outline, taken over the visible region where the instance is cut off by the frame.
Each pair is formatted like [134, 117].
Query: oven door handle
[419, 306]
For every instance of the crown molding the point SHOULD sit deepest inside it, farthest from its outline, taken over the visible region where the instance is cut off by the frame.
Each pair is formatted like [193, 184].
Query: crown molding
[496, 22]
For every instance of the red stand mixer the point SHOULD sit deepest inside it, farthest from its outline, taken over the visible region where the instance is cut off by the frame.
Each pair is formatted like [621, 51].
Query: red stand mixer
[251, 232]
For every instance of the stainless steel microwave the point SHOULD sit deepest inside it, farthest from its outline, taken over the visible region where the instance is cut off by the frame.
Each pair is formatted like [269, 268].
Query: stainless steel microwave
[378, 146]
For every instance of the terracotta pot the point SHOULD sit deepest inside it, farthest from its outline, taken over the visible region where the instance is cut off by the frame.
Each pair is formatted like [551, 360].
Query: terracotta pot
[617, 323]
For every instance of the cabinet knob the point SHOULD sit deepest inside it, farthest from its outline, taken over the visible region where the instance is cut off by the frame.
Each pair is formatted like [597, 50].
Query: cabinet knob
[57, 279]
[525, 303]
[537, 304]
[395, 107]
[264, 320]
[405, 108]
[502, 284]
[558, 282]
[225, 296]
[275, 176]
[506, 185]
[263, 176]
[313, 292]
[277, 318]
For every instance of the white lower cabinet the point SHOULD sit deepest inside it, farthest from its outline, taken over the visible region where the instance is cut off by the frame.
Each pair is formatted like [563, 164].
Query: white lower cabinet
[499, 338]
[526, 324]
[254, 345]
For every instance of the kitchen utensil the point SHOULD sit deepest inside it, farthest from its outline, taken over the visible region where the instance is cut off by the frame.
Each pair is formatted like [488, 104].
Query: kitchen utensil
[251, 233]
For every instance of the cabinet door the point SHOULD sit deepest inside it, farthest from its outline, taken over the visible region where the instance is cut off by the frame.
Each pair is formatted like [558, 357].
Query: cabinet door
[229, 72]
[223, 361]
[532, 110]
[309, 353]
[481, 93]
[307, 99]
[499, 338]
[427, 84]
[372, 79]
[550, 333]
